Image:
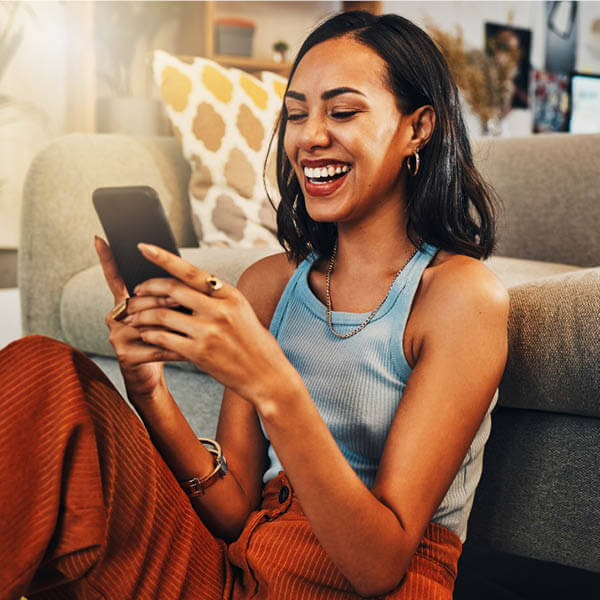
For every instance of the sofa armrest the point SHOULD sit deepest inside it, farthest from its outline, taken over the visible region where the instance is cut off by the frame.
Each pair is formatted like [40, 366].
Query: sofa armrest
[59, 221]
[554, 337]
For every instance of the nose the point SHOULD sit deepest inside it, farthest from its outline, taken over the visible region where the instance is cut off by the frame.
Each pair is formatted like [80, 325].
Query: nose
[314, 133]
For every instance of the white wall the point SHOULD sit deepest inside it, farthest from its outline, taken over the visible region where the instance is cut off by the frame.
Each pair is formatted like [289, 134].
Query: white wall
[588, 42]
[289, 21]
[35, 83]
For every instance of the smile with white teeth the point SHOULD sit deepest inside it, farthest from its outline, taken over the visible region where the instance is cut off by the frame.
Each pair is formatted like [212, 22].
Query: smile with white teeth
[326, 173]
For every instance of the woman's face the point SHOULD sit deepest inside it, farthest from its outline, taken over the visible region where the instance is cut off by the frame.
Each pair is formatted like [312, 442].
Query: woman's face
[345, 136]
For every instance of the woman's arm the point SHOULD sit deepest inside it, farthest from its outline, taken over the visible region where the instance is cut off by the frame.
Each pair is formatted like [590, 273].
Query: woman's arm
[370, 535]
[226, 505]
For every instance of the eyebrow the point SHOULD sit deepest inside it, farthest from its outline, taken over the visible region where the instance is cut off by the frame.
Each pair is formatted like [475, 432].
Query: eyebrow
[325, 95]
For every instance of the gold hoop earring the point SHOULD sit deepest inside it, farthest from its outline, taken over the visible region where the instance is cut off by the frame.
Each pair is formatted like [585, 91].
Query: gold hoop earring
[413, 170]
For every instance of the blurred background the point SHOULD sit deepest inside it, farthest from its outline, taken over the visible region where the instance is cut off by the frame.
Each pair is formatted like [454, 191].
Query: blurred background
[69, 66]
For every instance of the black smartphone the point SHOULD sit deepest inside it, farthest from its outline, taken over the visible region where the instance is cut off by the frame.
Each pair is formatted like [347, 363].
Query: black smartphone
[130, 215]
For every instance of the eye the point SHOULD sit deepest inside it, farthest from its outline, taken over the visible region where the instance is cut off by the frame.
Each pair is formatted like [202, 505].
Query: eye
[343, 114]
[295, 116]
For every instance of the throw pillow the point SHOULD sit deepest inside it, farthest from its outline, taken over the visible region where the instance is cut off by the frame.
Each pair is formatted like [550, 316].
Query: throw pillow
[224, 118]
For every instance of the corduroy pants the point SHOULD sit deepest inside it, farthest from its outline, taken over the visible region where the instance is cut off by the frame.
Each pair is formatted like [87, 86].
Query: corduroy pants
[88, 508]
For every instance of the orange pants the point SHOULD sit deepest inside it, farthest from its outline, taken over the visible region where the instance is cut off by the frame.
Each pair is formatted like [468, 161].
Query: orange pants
[88, 508]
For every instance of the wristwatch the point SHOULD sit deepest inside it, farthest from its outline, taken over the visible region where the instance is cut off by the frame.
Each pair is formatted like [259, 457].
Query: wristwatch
[197, 486]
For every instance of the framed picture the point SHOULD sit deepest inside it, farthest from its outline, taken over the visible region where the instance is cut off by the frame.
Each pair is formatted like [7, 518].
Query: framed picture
[550, 101]
[585, 99]
[511, 45]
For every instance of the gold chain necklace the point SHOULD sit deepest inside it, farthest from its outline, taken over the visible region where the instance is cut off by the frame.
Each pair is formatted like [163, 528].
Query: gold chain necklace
[328, 296]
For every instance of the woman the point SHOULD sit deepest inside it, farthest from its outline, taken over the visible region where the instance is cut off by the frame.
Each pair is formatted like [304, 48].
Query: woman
[360, 369]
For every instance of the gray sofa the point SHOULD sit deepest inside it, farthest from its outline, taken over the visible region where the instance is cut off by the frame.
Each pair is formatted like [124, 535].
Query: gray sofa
[539, 496]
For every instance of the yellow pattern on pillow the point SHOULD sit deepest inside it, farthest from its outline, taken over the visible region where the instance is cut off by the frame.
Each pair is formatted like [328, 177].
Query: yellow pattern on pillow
[223, 119]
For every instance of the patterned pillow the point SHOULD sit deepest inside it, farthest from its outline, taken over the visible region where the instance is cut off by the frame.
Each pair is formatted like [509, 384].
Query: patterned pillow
[223, 119]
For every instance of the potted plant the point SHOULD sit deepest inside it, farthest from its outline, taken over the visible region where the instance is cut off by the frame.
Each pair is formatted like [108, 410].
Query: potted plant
[280, 49]
[485, 81]
[124, 30]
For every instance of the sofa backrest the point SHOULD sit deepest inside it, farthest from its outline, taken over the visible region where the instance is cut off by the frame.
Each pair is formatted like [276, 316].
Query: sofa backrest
[550, 188]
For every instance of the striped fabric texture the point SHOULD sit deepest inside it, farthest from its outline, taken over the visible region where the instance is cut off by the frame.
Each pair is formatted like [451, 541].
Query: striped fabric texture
[89, 509]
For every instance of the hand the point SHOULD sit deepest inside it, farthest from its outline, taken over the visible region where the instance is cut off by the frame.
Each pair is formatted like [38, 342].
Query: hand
[140, 363]
[222, 336]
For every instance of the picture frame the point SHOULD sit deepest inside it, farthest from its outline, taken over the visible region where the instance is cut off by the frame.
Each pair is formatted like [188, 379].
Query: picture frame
[512, 44]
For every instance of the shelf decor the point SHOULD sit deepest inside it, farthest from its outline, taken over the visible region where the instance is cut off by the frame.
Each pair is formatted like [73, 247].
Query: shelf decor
[485, 82]
[234, 36]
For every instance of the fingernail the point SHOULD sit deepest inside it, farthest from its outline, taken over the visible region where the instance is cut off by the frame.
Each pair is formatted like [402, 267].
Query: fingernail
[147, 249]
[128, 320]
[136, 290]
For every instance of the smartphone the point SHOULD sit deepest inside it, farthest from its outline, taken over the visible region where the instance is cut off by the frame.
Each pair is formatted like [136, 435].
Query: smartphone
[130, 215]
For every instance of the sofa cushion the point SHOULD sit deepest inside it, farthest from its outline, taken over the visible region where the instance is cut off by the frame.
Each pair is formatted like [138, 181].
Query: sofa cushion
[514, 271]
[86, 298]
[223, 119]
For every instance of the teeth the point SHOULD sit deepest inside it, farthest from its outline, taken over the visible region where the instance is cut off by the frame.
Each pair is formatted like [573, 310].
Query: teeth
[328, 171]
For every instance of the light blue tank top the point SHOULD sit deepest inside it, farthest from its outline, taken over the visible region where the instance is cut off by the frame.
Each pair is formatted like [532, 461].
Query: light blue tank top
[357, 383]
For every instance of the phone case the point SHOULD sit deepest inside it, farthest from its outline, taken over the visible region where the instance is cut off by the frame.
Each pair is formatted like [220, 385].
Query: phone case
[130, 215]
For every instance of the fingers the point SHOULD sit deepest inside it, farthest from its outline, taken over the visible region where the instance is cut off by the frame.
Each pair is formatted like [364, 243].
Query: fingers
[132, 351]
[141, 303]
[163, 318]
[193, 276]
[110, 270]
[171, 342]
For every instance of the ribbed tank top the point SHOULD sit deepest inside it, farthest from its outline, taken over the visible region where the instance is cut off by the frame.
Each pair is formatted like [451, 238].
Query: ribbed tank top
[357, 383]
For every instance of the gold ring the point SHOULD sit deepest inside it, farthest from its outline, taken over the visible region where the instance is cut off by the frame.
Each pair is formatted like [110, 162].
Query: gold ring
[214, 284]
[119, 312]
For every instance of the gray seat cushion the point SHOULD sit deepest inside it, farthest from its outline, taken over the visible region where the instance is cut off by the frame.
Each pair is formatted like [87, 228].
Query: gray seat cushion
[86, 298]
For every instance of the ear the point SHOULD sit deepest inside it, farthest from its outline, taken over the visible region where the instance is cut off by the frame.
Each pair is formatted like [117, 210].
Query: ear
[423, 124]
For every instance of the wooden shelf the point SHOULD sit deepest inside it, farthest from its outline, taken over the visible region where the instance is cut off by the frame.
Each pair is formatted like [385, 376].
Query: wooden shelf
[201, 16]
[247, 63]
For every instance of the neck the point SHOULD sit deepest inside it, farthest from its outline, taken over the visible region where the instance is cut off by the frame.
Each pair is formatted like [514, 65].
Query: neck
[379, 250]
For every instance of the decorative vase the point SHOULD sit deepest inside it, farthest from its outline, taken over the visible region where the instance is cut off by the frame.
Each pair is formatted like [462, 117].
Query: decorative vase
[491, 127]
[279, 56]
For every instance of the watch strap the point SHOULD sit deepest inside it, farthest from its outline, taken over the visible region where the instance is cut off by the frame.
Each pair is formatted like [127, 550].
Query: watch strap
[197, 486]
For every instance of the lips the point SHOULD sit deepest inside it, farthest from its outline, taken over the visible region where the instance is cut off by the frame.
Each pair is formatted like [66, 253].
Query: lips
[325, 188]
[324, 176]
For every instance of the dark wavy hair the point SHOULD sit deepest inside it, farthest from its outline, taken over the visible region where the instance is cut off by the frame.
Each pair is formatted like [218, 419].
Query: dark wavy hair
[448, 204]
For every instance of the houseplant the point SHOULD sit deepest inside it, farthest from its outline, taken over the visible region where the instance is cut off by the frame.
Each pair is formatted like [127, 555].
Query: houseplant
[485, 80]
[124, 32]
[280, 49]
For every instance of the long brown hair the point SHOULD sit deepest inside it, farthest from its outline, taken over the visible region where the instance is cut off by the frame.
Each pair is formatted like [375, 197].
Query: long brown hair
[449, 205]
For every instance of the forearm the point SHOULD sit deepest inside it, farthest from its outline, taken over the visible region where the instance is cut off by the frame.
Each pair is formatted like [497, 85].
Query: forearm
[361, 535]
[224, 507]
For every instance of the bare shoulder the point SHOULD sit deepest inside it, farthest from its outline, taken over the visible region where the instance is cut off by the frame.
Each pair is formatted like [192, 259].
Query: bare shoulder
[456, 294]
[263, 282]
[456, 284]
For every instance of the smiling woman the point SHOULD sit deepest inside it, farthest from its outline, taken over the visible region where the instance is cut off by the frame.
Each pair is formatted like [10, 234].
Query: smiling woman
[360, 366]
